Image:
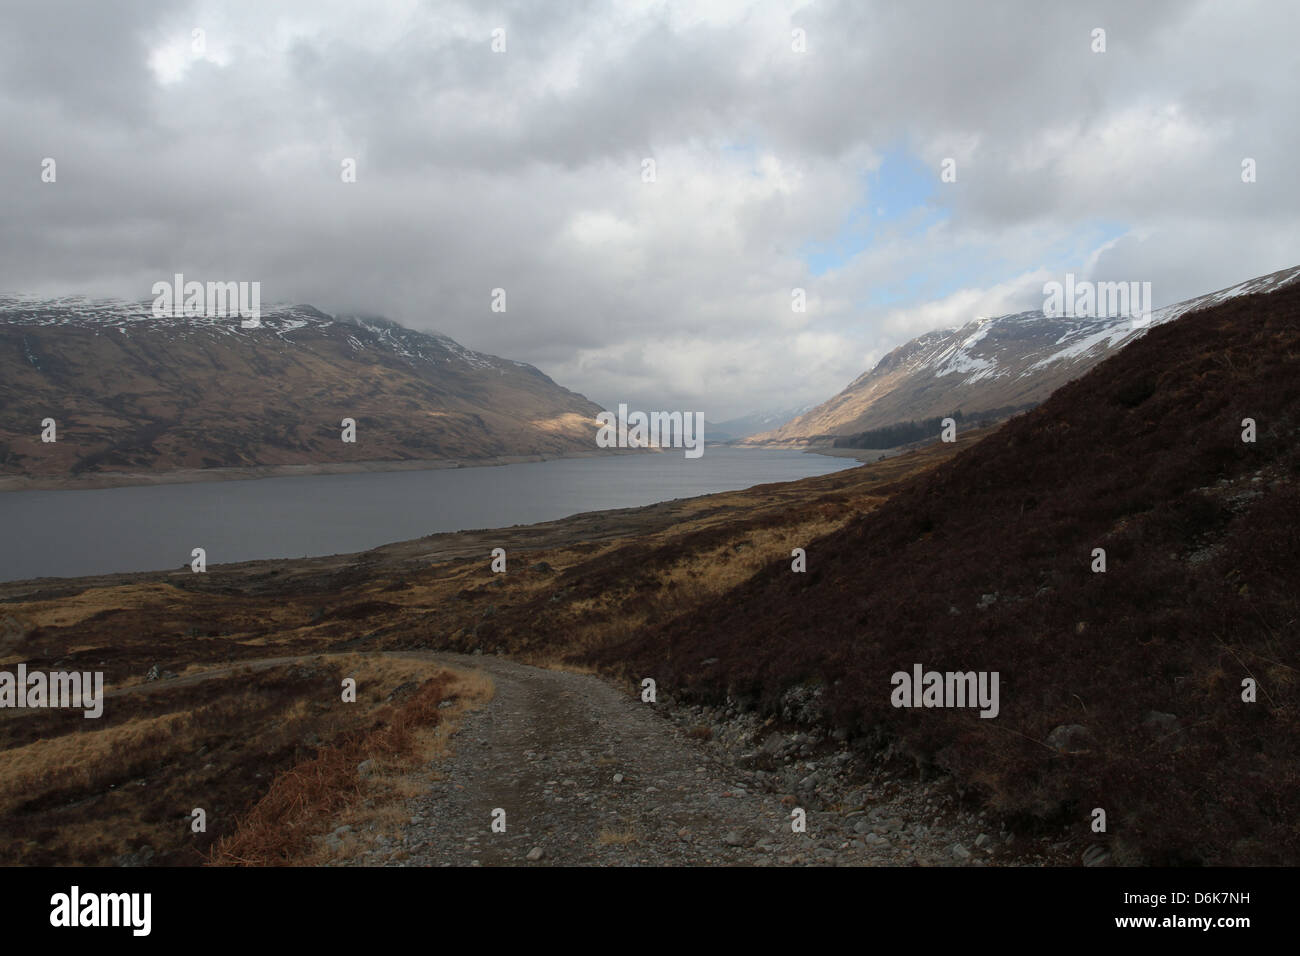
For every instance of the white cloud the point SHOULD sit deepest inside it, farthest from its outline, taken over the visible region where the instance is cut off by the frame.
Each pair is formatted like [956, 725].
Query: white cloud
[523, 170]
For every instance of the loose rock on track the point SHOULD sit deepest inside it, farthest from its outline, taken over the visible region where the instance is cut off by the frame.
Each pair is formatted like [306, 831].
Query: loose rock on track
[587, 774]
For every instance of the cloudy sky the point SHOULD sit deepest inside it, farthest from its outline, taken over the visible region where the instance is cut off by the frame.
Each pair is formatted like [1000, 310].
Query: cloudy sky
[220, 155]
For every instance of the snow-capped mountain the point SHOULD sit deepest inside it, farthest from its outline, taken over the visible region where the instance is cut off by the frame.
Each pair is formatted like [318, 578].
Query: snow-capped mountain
[132, 392]
[280, 321]
[988, 363]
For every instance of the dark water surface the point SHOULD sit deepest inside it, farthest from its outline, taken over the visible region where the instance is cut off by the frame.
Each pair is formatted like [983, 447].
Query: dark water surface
[146, 528]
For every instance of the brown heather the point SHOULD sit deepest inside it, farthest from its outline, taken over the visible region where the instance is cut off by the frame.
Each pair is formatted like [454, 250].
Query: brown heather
[1143, 457]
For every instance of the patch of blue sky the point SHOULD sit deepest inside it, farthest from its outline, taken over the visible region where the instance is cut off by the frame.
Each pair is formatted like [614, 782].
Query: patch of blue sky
[897, 199]
[903, 198]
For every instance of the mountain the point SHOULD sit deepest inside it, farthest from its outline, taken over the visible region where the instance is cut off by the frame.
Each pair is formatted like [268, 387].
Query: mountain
[133, 393]
[1160, 686]
[744, 426]
[1006, 362]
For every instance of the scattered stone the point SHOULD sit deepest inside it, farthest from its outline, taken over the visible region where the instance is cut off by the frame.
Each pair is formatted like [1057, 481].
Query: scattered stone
[335, 840]
[402, 691]
[1071, 739]
[1166, 727]
[678, 812]
[140, 857]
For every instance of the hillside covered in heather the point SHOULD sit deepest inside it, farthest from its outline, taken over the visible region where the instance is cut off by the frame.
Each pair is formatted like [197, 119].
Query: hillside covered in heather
[1120, 690]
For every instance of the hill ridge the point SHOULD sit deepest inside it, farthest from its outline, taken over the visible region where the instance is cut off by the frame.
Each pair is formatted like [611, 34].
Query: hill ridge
[133, 392]
[1005, 361]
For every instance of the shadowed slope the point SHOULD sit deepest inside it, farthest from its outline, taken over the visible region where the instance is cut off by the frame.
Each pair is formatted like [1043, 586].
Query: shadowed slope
[984, 564]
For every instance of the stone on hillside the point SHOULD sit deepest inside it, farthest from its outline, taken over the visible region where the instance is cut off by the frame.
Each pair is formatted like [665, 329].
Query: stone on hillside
[1071, 739]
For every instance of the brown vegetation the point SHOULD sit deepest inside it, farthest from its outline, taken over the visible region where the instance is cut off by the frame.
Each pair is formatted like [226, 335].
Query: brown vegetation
[1142, 457]
[308, 796]
[121, 788]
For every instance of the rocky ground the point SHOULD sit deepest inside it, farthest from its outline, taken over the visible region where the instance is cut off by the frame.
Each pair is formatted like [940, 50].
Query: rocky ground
[587, 774]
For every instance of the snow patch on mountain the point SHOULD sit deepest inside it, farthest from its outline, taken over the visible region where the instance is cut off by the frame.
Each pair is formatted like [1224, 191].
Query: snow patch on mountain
[288, 322]
[974, 349]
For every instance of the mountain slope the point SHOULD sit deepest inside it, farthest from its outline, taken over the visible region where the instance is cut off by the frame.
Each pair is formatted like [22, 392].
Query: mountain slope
[1120, 690]
[134, 393]
[1012, 360]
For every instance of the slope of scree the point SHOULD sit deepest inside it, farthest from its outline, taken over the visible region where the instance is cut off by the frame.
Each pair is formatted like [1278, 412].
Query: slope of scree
[985, 564]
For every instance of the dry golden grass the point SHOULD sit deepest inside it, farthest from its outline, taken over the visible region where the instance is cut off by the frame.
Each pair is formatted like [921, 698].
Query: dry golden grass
[73, 609]
[568, 667]
[83, 759]
[609, 837]
[685, 584]
[140, 767]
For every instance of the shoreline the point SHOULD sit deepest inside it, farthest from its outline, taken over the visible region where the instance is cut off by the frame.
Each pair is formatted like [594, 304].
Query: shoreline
[259, 577]
[406, 555]
[253, 472]
[864, 455]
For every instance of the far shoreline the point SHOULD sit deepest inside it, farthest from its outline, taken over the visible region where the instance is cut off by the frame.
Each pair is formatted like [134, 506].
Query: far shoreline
[100, 480]
[861, 454]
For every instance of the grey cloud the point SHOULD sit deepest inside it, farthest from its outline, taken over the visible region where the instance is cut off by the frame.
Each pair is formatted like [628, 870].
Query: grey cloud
[523, 170]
